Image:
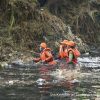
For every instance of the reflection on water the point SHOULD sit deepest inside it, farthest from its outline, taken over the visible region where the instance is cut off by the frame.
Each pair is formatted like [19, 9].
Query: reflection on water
[50, 83]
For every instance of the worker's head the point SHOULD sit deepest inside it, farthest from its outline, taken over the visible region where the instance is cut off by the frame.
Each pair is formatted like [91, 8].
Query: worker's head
[71, 44]
[64, 43]
[43, 45]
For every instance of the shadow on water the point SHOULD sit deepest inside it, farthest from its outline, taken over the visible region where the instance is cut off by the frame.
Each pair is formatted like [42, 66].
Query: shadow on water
[36, 83]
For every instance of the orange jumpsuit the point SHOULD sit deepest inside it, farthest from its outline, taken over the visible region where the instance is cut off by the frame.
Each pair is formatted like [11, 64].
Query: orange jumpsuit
[46, 56]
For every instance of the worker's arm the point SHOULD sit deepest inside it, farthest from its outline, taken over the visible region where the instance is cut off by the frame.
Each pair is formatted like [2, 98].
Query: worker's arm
[61, 48]
[36, 59]
[60, 52]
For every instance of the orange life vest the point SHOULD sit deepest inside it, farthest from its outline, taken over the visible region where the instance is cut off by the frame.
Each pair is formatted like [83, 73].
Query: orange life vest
[46, 56]
[75, 52]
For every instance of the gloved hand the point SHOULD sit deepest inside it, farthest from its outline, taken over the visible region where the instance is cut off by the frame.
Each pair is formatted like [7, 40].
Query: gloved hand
[43, 61]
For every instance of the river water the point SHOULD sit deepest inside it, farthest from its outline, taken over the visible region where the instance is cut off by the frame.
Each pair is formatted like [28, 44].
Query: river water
[28, 82]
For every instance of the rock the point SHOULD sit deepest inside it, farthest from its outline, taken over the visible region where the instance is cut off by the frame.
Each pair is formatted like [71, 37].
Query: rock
[86, 54]
[4, 64]
[18, 61]
[41, 9]
[10, 54]
[75, 81]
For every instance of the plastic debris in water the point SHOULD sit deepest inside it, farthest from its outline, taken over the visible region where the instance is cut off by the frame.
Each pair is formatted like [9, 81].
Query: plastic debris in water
[75, 81]
[41, 81]
[11, 82]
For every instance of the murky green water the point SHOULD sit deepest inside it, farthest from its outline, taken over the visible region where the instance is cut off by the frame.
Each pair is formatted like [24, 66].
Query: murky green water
[19, 83]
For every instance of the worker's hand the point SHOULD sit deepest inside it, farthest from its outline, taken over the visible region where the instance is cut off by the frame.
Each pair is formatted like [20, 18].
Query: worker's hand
[43, 61]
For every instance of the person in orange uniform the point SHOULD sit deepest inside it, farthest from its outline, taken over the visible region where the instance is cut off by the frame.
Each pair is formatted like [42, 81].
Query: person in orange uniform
[73, 54]
[45, 55]
[63, 50]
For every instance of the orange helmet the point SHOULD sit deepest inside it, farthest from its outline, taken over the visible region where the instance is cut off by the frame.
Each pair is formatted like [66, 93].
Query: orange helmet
[64, 42]
[43, 45]
[71, 43]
